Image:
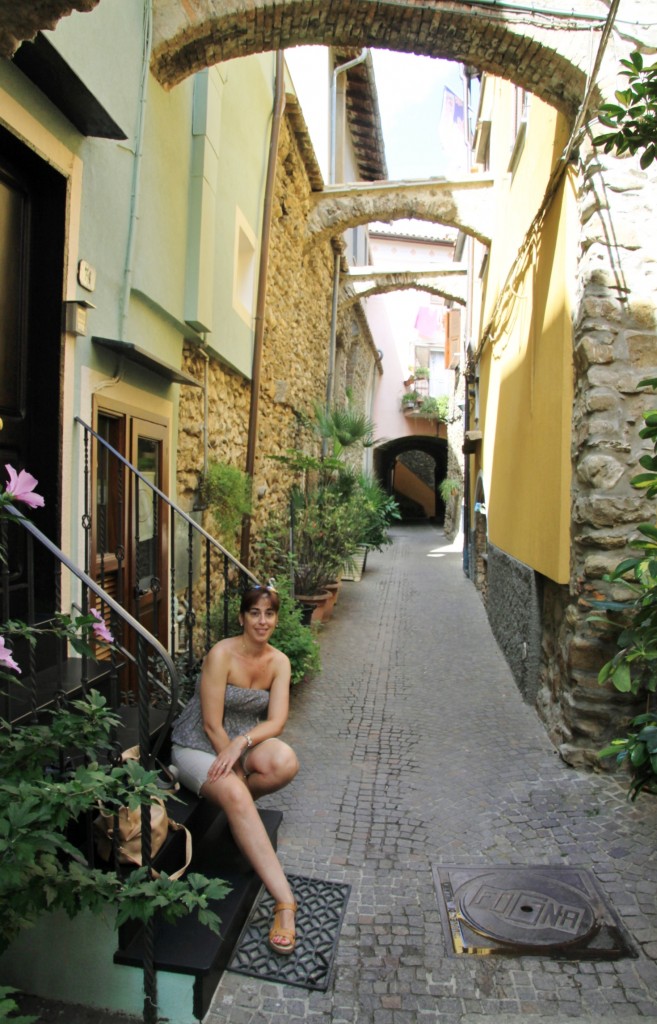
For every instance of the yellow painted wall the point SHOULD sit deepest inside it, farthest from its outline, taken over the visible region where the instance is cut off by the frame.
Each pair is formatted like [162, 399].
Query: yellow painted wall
[526, 376]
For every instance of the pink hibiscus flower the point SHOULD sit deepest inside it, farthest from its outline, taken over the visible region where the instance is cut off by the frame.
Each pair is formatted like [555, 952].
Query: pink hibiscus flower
[101, 632]
[6, 658]
[21, 487]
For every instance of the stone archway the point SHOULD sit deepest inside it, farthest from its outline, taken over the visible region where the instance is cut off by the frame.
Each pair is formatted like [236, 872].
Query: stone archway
[534, 53]
[428, 449]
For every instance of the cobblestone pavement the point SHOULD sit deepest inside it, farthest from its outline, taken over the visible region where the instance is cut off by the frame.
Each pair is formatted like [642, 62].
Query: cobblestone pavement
[417, 750]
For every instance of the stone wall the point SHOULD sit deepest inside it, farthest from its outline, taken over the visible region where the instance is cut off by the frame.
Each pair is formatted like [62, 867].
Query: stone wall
[514, 602]
[295, 356]
[615, 347]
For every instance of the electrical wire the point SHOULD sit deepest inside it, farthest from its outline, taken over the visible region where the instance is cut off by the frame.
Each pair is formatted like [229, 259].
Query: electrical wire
[502, 6]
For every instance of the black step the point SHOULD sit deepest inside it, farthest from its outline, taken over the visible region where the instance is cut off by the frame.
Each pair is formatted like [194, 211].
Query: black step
[188, 947]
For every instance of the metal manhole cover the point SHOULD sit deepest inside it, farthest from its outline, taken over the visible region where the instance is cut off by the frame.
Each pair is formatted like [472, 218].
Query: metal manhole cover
[526, 908]
[550, 911]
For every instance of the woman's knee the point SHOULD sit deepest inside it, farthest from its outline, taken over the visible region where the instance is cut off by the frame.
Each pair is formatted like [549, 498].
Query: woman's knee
[285, 764]
[230, 794]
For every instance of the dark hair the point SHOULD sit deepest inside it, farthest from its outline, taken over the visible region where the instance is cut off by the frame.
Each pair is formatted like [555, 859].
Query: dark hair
[253, 594]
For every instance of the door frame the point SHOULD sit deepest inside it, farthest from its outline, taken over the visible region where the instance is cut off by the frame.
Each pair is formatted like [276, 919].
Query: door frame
[135, 423]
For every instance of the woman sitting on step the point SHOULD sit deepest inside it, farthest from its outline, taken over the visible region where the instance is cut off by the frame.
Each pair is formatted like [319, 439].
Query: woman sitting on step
[225, 744]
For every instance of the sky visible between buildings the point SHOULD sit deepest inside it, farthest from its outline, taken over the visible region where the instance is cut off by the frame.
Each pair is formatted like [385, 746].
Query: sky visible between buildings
[421, 106]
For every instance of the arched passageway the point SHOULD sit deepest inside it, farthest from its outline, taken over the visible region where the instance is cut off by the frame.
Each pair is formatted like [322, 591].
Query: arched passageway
[411, 468]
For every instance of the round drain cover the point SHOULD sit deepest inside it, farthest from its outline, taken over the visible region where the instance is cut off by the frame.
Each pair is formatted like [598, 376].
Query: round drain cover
[525, 908]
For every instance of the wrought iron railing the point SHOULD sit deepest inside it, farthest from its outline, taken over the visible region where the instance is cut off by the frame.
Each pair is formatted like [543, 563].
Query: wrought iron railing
[50, 678]
[49, 675]
[203, 578]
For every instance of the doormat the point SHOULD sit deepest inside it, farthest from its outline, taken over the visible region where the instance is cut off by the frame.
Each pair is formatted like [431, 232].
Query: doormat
[552, 911]
[319, 918]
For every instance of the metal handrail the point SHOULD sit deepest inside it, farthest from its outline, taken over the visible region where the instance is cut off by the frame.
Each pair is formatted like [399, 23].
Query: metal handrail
[118, 610]
[169, 501]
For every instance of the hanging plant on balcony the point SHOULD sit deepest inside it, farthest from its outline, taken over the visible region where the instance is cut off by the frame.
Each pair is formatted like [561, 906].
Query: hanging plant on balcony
[410, 399]
[435, 408]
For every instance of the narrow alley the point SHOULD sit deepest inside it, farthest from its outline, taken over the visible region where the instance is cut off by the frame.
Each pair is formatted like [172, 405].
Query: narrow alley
[418, 751]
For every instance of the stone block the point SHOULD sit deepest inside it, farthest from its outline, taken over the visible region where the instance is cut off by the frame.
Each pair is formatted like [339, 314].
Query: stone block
[642, 350]
[600, 471]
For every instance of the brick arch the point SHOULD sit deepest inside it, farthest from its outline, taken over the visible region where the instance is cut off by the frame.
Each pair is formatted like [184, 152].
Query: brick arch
[544, 58]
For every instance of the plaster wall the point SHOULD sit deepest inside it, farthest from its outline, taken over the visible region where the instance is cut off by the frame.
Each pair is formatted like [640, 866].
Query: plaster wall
[526, 376]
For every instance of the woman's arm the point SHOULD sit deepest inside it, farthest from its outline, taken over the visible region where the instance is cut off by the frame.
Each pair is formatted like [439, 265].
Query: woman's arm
[214, 677]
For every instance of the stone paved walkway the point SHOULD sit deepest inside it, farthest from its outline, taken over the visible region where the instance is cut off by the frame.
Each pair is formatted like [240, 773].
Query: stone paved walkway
[416, 750]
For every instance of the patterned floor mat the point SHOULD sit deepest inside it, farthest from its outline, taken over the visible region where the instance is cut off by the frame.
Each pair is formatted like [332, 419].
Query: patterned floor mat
[319, 919]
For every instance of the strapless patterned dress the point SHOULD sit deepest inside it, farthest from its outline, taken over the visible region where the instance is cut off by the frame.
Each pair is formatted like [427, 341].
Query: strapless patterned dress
[243, 709]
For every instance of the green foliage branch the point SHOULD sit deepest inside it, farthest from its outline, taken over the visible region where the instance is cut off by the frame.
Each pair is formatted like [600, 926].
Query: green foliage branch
[633, 117]
[41, 801]
[226, 490]
[633, 667]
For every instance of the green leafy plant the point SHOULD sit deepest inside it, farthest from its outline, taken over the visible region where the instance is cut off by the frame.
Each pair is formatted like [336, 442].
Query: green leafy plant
[376, 510]
[435, 408]
[330, 514]
[55, 773]
[633, 667]
[410, 399]
[293, 638]
[45, 793]
[8, 1008]
[448, 488]
[633, 117]
[226, 490]
[421, 373]
[638, 751]
[343, 426]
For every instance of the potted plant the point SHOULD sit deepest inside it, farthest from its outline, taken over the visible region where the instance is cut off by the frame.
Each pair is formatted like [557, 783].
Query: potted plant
[422, 373]
[410, 399]
[435, 408]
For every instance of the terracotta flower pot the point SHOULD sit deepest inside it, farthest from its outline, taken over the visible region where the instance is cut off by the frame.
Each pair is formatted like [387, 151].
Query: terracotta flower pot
[313, 606]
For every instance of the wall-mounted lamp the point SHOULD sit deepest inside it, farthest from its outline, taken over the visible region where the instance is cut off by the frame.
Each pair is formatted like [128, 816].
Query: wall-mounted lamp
[75, 316]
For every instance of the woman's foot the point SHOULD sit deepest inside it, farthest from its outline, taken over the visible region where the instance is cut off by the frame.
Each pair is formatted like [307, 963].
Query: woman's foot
[282, 937]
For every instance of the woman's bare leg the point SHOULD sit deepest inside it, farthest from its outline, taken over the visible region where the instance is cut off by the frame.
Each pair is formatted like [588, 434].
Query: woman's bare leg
[250, 835]
[271, 766]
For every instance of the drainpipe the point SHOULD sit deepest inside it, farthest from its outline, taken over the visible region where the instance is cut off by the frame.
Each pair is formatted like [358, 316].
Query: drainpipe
[334, 327]
[334, 107]
[206, 410]
[136, 169]
[469, 371]
[277, 117]
[336, 258]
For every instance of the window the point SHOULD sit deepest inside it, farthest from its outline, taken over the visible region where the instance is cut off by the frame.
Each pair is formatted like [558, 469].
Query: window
[244, 269]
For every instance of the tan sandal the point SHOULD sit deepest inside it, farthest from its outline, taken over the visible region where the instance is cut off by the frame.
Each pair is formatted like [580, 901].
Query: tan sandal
[278, 932]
